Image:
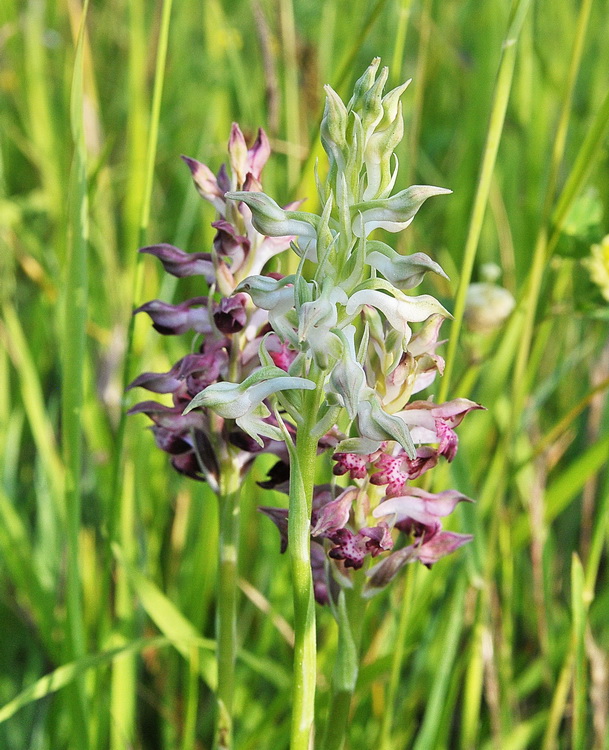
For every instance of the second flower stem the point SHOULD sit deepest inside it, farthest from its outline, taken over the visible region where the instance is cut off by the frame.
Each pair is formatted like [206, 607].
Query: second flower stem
[226, 624]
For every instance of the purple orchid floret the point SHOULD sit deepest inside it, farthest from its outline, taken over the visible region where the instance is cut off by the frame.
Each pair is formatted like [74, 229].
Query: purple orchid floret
[395, 470]
[232, 327]
[352, 548]
[246, 161]
[172, 320]
[419, 506]
[230, 245]
[440, 545]
[181, 264]
[207, 184]
[427, 551]
[230, 316]
[354, 464]
[190, 374]
[435, 423]
[334, 514]
[404, 510]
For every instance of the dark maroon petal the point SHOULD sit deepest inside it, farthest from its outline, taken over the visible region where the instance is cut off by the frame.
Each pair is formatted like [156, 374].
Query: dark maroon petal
[229, 244]
[170, 441]
[181, 264]
[206, 453]
[170, 382]
[279, 516]
[167, 319]
[188, 464]
[205, 370]
[170, 417]
[157, 382]
[230, 315]
[318, 571]
[244, 442]
[277, 476]
[419, 530]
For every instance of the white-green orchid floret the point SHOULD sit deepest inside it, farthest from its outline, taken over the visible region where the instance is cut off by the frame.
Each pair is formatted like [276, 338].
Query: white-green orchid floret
[277, 296]
[243, 401]
[376, 425]
[315, 321]
[403, 271]
[398, 309]
[392, 214]
[348, 379]
[378, 157]
[271, 220]
[268, 293]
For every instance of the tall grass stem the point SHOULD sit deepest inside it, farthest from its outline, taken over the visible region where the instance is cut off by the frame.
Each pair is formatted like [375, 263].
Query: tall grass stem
[501, 97]
[75, 314]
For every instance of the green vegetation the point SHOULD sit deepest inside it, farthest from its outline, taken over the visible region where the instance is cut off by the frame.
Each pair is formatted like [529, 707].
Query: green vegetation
[108, 564]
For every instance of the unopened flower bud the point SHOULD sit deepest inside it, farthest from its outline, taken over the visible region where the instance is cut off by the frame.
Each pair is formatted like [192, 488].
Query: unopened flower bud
[206, 183]
[334, 127]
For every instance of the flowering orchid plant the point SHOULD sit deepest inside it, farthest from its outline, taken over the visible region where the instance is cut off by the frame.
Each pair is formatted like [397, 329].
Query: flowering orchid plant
[324, 358]
[217, 446]
[349, 364]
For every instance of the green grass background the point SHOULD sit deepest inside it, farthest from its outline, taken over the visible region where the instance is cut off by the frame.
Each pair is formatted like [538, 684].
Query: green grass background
[107, 558]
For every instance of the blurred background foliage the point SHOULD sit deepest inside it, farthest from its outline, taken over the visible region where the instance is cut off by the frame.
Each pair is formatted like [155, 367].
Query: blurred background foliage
[107, 561]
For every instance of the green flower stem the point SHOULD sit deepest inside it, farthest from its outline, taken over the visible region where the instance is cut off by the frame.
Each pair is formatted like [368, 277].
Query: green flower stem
[226, 623]
[299, 535]
[351, 609]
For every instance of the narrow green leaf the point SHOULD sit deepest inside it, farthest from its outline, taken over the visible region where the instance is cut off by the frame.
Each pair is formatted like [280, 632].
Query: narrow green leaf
[426, 738]
[66, 674]
[168, 618]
